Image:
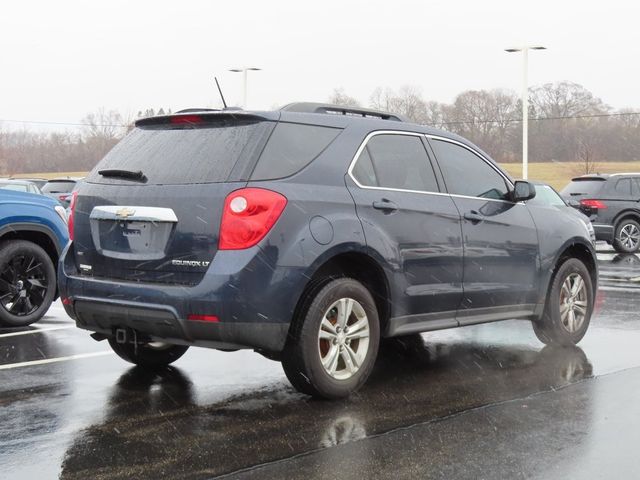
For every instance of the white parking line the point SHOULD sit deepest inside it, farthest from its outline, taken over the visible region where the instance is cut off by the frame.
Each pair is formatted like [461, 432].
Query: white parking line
[36, 330]
[54, 360]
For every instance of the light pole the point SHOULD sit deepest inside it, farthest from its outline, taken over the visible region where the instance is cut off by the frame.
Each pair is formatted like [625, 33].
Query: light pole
[525, 103]
[244, 81]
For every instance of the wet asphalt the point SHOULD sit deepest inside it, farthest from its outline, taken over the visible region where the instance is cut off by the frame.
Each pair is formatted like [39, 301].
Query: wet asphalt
[486, 401]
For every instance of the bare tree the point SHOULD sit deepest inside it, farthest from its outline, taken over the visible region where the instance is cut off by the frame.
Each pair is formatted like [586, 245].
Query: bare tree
[104, 124]
[565, 99]
[586, 158]
[339, 97]
[407, 101]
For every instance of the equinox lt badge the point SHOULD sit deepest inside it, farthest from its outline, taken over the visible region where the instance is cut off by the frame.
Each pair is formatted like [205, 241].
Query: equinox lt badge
[190, 263]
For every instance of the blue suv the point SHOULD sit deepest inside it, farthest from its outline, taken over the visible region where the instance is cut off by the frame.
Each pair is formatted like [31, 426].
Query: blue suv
[33, 232]
[309, 233]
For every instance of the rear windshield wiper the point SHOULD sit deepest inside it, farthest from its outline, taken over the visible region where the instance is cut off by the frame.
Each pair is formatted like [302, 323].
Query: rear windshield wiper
[128, 174]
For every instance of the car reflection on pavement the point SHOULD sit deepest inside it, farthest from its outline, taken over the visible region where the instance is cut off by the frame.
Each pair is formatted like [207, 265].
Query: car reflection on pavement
[153, 426]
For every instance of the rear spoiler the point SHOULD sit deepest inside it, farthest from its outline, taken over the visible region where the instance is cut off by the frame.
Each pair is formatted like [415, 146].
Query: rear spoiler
[585, 178]
[194, 117]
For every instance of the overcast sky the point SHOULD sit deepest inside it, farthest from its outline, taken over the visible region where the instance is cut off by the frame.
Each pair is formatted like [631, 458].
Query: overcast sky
[63, 59]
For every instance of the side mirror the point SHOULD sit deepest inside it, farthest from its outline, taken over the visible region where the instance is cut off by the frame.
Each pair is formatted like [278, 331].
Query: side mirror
[522, 191]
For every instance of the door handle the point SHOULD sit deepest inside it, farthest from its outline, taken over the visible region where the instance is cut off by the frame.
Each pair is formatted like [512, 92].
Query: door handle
[474, 217]
[387, 206]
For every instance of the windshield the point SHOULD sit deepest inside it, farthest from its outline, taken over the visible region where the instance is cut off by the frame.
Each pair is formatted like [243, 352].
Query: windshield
[545, 195]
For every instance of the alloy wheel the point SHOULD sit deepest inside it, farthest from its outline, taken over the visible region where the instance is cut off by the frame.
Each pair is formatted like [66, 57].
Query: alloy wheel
[23, 285]
[630, 236]
[573, 302]
[343, 338]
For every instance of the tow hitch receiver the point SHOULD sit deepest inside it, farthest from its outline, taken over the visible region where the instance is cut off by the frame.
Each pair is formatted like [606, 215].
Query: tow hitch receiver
[124, 335]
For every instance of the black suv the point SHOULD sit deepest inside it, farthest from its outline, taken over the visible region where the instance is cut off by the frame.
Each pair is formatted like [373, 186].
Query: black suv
[308, 234]
[612, 203]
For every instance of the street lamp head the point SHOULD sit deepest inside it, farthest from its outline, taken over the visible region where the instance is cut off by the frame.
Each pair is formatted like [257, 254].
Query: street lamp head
[254, 68]
[237, 70]
[526, 47]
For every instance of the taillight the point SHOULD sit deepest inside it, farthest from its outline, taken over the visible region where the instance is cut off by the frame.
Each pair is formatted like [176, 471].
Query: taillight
[72, 210]
[248, 215]
[588, 203]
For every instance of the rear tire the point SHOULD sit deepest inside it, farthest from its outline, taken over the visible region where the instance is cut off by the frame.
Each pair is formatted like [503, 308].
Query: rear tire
[148, 355]
[333, 342]
[627, 236]
[27, 283]
[569, 306]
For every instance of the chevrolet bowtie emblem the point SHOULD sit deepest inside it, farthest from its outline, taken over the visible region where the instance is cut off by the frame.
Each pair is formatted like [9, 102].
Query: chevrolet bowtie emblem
[125, 212]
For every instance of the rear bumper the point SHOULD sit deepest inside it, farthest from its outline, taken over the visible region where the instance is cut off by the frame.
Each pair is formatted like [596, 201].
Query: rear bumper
[163, 324]
[603, 232]
[253, 299]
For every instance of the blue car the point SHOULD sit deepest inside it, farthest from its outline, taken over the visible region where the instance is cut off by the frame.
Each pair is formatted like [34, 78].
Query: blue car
[33, 233]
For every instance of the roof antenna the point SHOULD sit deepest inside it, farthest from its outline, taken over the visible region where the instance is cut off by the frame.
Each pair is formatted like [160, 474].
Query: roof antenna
[220, 91]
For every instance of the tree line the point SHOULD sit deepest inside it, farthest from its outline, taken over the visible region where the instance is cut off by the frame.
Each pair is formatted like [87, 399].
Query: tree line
[29, 151]
[567, 123]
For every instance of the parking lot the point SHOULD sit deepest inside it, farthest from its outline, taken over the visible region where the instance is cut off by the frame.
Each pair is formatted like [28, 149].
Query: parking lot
[450, 403]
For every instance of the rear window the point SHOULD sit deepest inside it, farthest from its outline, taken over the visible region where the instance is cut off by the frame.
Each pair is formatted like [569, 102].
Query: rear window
[212, 153]
[583, 187]
[58, 187]
[292, 147]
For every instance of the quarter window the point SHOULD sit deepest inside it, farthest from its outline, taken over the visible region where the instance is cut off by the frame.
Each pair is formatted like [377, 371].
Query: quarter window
[292, 147]
[395, 161]
[465, 173]
[623, 187]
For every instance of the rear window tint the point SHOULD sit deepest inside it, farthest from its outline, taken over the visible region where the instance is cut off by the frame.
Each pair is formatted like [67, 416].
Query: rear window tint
[583, 187]
[206, 154]
[292, 147]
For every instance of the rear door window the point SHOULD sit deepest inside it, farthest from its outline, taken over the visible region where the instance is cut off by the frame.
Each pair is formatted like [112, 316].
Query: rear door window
[395, 161]
[172, 155]
[292, 147]
[623, 187]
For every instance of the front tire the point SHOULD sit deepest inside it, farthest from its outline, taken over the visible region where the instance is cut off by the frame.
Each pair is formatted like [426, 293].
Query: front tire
[333, 343]
[27, 283]
[148, 355]
[569, 306]
[627, 236]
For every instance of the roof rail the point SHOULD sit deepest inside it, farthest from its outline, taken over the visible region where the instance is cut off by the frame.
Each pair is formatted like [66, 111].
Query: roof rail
[310, 107]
